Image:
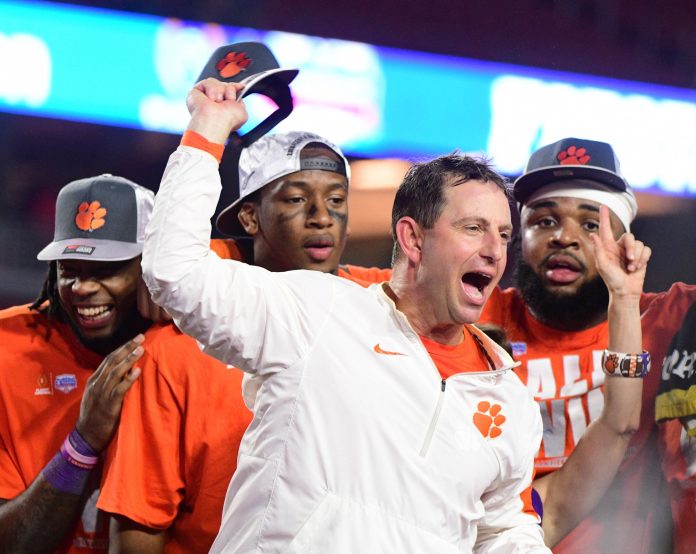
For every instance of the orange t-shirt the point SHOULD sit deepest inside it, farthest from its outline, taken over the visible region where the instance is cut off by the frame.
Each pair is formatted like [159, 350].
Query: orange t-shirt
[563, 372]
[364, 276]
[559, 368]
[461, 358]
[43, 371]
[176, 447]
[174, 454]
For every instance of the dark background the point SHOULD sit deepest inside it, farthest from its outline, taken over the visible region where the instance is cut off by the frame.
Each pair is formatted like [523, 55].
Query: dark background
[627, 39]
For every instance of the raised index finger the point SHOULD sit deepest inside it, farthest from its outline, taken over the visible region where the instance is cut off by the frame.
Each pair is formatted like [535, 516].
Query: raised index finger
[605, 226]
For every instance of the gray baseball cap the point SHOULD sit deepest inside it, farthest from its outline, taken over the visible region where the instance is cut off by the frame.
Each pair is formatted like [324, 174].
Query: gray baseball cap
[100, 218]
[253, 65]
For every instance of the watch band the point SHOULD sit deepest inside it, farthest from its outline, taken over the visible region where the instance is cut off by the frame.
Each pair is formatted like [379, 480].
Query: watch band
[620, 364]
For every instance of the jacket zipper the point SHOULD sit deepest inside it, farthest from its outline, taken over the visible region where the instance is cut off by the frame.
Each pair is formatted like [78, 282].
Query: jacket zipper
[408, 330]
[433, 421]
[441, 400]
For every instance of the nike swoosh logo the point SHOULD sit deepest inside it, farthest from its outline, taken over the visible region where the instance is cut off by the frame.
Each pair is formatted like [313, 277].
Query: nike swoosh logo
[377, 348]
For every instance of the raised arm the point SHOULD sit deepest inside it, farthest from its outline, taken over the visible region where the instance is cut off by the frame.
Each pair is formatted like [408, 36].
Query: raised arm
[570, 493]
[38, 519]
[234, 310]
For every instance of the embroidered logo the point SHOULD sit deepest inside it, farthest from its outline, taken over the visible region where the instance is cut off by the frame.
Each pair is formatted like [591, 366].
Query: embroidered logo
[377, 348]
[518, 348]
[488, 419]
[573, 156]
[66, 382]
[43, 385]
[79, 249]
[90, 216]
[233, 64]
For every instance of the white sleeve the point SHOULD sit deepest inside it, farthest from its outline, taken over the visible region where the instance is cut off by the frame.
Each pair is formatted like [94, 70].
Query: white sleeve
[243, 315]
[510, 525]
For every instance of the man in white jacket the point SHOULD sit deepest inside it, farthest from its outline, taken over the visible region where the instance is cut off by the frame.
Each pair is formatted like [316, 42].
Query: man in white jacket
[383, 421]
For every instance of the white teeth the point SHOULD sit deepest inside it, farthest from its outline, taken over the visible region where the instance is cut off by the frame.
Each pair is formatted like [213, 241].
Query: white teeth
[92, 311]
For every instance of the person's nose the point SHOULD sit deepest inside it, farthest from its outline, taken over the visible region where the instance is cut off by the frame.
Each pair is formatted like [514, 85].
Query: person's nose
[84, 286]
[494, 247]
[565, 236]
[318, 214]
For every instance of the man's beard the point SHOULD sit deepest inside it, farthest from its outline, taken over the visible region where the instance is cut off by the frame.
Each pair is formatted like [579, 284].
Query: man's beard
[571, 312]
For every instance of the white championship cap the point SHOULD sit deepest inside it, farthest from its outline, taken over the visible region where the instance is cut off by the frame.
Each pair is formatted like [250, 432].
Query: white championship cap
[272, 157]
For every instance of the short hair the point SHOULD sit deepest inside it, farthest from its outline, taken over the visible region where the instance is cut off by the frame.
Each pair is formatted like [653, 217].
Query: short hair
[421, 193]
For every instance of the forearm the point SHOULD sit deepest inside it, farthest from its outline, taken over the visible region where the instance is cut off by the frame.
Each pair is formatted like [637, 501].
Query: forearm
[177, 240]
[38, 519]
[622, 395]
[178, 234]
[181, 272]
[572, 492]
[129, 537]
[591, 467]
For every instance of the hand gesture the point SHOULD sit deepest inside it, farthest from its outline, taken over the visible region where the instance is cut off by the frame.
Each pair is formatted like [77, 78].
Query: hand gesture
[103, 397]
[215, 109]
[621, 263]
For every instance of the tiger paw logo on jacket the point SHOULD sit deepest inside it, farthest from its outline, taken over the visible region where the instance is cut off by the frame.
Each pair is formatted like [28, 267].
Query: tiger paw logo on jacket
[90, 216]
[489, 419]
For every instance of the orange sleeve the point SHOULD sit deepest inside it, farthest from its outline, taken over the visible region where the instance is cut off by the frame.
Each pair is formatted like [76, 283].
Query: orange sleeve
[494, 308]
[227, 249]
[142, 478]
[364, 275]
[196, 140]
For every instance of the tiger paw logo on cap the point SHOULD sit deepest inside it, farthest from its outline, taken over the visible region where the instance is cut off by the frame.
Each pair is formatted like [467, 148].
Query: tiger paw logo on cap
[232, 64]
[90, 216]
[573, 156]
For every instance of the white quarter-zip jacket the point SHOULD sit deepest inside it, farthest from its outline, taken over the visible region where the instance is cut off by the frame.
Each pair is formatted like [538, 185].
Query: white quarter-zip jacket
[357, 444]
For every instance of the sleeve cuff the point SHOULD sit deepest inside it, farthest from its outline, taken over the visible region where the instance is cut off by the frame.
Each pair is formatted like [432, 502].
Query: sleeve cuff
[196, 140]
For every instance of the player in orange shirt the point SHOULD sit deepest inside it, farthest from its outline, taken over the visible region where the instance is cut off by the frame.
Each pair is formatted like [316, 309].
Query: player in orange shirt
[56, 380]
[557, 324]
[292, 214]
[675, 409]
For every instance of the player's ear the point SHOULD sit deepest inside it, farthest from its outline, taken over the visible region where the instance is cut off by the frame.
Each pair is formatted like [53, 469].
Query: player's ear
[410, 238]
[249, 218]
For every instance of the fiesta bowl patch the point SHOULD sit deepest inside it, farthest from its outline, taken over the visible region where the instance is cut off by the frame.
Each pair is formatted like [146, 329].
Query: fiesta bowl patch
[66, 382]
[518, 348]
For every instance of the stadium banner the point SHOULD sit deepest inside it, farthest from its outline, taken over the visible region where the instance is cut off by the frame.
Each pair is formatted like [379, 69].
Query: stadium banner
[134, 70]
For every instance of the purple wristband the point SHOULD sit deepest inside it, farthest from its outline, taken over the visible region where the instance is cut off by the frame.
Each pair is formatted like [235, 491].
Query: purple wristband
[77, 451]
[70, 468]
[64, 476]
[538, 505]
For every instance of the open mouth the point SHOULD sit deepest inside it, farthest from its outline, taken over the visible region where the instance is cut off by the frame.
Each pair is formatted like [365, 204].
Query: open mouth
[94, 316]
[563, 269]
[319, 247]
[475, 284]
